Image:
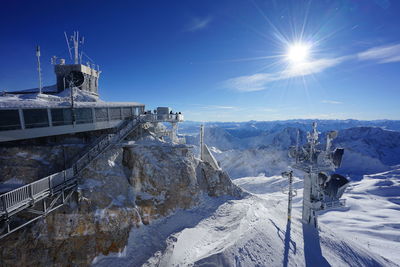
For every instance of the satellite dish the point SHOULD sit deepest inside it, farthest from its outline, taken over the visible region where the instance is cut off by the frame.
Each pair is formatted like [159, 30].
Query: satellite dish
[337, 157]
[76, 78]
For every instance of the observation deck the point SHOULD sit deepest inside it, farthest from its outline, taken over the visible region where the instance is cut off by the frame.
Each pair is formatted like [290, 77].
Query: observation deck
[26, 123]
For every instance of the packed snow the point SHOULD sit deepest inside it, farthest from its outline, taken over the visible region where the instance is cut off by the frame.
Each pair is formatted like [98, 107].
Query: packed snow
[62, 99]
[254, 231]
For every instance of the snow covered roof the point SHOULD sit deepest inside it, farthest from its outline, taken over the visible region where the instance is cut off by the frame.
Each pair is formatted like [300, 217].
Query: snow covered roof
[45, 89]
[62, 99]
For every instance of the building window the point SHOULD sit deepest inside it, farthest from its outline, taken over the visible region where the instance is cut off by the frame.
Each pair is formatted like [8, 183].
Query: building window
[115, 113]
[35, 118]
[101, 114]
[83, 115]
[61, 116]
[9, 120]
[126, 112]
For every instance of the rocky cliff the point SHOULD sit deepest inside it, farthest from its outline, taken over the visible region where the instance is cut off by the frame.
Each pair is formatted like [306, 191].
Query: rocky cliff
[131, 185]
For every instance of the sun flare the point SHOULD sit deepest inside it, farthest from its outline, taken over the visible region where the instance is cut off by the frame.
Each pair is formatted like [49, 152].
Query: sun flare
[298, 53]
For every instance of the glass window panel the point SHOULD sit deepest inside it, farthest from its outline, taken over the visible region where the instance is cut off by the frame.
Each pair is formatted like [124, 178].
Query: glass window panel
[126, 112]
[9, 120]
[115, 113]
[101, 114]
[83, 115]
[61, 116]
[36, 118]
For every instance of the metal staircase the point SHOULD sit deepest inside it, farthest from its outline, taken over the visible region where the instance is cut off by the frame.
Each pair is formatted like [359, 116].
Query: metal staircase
[33, 201]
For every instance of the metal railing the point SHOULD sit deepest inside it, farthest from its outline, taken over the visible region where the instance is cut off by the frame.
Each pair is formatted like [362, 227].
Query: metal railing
[30, 193]
[53, 185]
[151, 117]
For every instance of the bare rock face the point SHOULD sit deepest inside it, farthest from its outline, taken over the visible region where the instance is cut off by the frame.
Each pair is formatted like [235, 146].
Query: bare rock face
[165, 178]
[25, 164]
[126, 187]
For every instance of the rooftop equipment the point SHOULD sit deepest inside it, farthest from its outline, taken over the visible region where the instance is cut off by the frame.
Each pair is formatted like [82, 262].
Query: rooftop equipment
[322, 190]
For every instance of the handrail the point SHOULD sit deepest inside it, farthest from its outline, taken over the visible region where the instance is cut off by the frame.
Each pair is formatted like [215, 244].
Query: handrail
[30, 193]
[34, 190]
[151, 117]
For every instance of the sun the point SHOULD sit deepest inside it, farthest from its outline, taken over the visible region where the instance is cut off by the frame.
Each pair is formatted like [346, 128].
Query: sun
[298, 53]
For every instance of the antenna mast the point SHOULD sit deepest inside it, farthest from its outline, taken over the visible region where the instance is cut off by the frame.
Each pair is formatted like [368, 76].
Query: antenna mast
[202, 142]
[39, 69]
[76, 47]
[69, 48]
[75, 42]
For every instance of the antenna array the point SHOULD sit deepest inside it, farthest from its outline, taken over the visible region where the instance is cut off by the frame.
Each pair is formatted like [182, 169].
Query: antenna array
[75, 41]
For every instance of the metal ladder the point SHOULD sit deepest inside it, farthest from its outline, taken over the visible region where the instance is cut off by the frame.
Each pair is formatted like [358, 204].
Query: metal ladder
[55, 190]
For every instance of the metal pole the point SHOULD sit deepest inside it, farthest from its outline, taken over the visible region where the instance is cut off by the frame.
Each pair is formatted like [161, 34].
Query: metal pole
[201, 142]
[290, 195]
[39, 69]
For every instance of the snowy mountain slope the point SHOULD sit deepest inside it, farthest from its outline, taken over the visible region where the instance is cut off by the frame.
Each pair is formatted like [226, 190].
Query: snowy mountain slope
[243, 129]
[367, 149]
[371, 219]
[252, 231]
[252, 162]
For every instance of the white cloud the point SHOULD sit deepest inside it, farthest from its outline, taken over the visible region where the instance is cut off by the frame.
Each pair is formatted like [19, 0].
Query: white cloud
[311, 67]
[255, 82]
[198, 24]
[331, 102]
[218, 107]
[383, 54]
[260, 81]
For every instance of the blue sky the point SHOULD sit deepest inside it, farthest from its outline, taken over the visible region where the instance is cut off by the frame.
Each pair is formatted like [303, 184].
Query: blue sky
[220, 60]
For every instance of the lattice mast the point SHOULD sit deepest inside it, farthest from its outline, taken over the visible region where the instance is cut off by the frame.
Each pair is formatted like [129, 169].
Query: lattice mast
[321, 191]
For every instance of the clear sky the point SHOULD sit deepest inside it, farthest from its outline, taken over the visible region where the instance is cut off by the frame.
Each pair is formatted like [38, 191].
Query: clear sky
[220, 60]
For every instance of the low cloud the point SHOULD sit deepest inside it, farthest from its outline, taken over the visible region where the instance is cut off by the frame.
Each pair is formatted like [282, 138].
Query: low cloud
[260, 81]
[382, 54]
[218, 107]
[331, 102]
[198, 24]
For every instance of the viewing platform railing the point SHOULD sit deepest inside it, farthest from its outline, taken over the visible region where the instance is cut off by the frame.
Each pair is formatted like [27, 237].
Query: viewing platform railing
[26, 196]
[151, 117]
[26, 123]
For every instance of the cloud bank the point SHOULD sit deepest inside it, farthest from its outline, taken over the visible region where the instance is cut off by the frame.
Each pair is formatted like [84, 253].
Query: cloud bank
[382, 54]
[261, 81]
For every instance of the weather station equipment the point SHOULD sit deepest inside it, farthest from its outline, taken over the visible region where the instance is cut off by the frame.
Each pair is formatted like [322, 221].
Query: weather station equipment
[291, 193]
[322, 188]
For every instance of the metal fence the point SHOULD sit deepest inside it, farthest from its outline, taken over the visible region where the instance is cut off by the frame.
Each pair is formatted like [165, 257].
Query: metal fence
[151, 117]
[30, 193]
[19, 198]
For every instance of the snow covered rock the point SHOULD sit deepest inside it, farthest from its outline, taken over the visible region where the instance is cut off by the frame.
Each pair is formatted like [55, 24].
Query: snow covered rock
[126, 188]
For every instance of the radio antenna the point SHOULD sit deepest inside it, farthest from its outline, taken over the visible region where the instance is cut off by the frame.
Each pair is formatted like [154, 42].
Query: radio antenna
[38, 68]
[69, 48]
